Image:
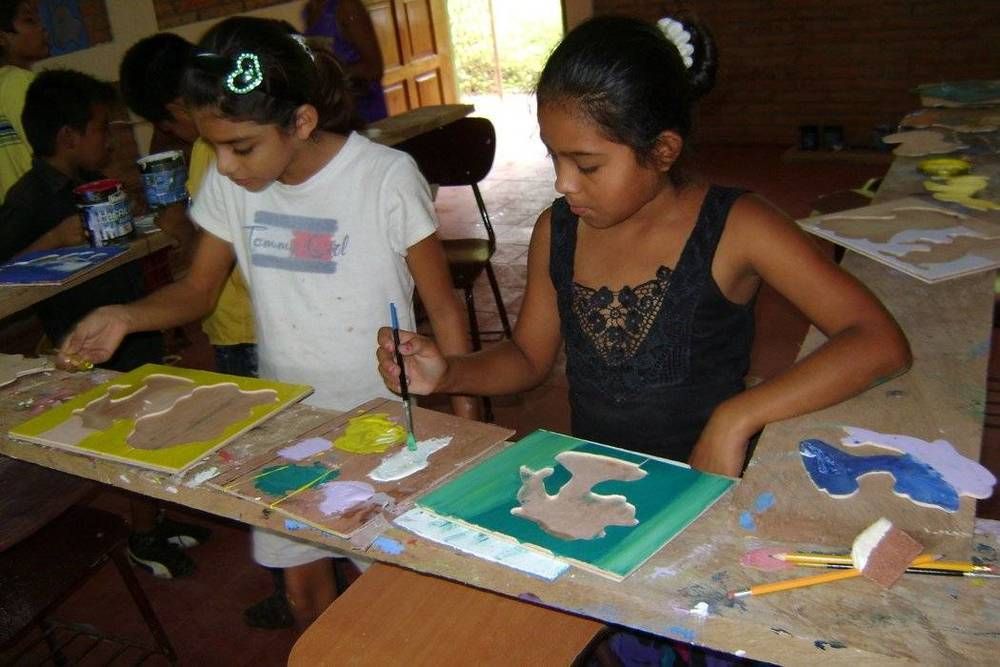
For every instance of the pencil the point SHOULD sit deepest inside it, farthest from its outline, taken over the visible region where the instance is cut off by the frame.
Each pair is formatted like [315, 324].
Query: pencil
[913, 569]
[845, 559]
[801, 582]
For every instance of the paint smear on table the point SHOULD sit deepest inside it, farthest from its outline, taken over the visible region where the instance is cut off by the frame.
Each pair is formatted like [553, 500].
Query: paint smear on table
[763, 559]
[406, 462]
[281, 480]
[305, 448]
[370, 434]
[837, 473]
[339, 497]
[967, 476]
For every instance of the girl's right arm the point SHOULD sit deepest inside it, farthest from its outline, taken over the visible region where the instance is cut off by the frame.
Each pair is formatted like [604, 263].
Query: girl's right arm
[506, 368]
[96, 337]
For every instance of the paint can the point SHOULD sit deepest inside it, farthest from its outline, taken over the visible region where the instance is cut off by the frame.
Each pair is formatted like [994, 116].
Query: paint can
[104, 207]
[164, 178]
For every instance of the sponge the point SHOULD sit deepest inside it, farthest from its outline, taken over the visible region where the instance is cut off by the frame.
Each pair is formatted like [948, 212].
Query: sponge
[883, 552]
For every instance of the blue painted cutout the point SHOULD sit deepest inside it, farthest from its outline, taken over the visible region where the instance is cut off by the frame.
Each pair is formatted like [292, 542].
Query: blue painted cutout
[837, 473]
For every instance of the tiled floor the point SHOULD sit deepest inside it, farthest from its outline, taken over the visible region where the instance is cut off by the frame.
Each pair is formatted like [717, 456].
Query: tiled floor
[202, 613]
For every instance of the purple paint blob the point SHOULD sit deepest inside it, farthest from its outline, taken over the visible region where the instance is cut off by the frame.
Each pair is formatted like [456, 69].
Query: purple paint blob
[305, 448]
[968, 477]
[342, 496]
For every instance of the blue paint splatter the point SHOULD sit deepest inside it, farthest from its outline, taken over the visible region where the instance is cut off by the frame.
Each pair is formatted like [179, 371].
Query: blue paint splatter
[764, 502]
[823, 645]
[388, 545]
[837, 473]
[747, 522]
[292, 524]
[684, 634]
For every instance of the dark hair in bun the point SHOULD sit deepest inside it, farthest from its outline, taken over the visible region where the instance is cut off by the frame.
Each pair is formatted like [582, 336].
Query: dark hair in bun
[629, 79]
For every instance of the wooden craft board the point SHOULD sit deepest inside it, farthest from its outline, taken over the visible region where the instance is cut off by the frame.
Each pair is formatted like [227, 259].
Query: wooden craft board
[109, 419]
[14, 366]
[918, 236]
[666, 500]
[470, 442]
[56, 266]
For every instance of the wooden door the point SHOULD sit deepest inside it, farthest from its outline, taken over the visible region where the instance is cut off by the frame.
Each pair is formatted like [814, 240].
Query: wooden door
[416, 49]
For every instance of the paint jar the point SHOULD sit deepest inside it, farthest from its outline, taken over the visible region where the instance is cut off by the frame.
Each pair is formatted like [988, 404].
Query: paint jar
[164, 178]
[104, 207]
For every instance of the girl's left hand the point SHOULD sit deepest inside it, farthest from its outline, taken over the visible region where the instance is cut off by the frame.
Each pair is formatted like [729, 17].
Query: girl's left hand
[722, 446]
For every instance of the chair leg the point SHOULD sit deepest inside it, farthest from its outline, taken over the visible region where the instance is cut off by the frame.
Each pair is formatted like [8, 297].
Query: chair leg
[501, 309]
[142, 602]
[477, 344]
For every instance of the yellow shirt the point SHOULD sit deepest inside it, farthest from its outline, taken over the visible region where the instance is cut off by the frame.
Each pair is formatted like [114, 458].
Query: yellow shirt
[15, 153]
[232, 321]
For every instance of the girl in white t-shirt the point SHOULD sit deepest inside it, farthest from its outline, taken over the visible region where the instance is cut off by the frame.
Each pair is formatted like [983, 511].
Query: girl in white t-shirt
[328, 229]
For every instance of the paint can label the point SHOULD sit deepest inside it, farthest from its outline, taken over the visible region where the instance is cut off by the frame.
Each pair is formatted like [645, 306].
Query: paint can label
[104, 208]
[164, 178]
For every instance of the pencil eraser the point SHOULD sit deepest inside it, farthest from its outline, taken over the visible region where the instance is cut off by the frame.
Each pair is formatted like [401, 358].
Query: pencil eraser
[883, 552]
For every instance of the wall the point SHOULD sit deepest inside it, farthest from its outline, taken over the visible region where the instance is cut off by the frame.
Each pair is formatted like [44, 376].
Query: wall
[785, 63]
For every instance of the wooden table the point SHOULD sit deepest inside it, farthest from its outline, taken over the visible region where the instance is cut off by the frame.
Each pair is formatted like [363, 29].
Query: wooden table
[396, 129]
[14, 298]
[681, 591]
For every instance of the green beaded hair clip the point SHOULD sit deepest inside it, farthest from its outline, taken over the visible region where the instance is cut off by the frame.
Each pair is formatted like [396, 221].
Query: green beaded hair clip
[246, 75]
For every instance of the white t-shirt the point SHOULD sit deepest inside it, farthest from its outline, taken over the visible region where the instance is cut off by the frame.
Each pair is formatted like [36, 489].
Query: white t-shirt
[323, 260]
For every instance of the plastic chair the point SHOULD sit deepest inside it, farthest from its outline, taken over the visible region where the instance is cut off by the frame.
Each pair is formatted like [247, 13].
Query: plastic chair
[461, 154]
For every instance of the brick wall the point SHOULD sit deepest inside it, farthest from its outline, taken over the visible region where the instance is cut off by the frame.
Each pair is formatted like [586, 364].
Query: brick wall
[173, 13]
[785, 63]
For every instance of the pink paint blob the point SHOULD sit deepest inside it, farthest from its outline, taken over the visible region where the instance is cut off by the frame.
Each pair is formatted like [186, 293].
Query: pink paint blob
[763, 559]
[339, 497]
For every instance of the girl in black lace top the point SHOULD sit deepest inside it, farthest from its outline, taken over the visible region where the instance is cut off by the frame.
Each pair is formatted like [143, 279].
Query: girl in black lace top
[648, 277]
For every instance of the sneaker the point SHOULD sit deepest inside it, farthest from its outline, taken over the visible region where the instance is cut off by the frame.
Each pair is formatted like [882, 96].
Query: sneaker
[183, 535]
[271, 613]
[153, 553]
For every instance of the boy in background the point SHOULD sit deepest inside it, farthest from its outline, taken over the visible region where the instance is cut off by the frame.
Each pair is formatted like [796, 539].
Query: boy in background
[149, 77]
[23, 42]
[66, 117]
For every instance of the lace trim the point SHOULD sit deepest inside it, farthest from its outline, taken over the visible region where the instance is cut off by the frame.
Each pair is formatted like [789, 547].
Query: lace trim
[617, 323]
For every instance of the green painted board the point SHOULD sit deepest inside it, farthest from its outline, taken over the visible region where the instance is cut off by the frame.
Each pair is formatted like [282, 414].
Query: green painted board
[667, 500]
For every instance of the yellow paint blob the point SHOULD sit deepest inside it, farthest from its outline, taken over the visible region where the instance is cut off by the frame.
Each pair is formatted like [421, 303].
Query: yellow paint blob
[370, 434]
[960, 190]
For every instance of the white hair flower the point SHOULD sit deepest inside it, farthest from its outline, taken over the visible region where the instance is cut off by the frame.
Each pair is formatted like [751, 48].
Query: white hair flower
[675, 32]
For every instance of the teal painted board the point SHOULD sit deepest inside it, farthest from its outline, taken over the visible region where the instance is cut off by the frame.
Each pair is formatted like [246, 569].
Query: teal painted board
[667, 500]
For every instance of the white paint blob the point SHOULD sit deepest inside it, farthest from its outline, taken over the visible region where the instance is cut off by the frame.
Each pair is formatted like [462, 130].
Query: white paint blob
[406, 462]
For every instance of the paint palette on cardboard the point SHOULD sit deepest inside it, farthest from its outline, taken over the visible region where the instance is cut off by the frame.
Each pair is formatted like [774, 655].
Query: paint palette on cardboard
[343, 473]
[664, 496]
[160, 417]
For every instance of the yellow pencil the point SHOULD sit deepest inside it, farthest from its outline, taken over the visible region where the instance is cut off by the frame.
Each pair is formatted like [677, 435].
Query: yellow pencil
[801, 582]
[845, 559]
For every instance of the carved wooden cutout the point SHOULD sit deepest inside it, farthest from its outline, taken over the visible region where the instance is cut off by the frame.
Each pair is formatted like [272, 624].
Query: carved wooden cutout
[204, 414]
[575, 512]
[921, 142]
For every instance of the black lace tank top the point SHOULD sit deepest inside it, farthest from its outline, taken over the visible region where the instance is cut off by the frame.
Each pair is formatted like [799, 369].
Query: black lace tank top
[648, 364]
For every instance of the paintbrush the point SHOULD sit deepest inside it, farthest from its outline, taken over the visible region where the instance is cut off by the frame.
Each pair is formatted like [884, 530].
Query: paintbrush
[845, 559]
[404, 392]
[913, 569]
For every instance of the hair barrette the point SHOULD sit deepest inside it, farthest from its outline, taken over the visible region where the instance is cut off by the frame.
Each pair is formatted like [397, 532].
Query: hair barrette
[304, 44]
[674, 31]
[246, 75]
